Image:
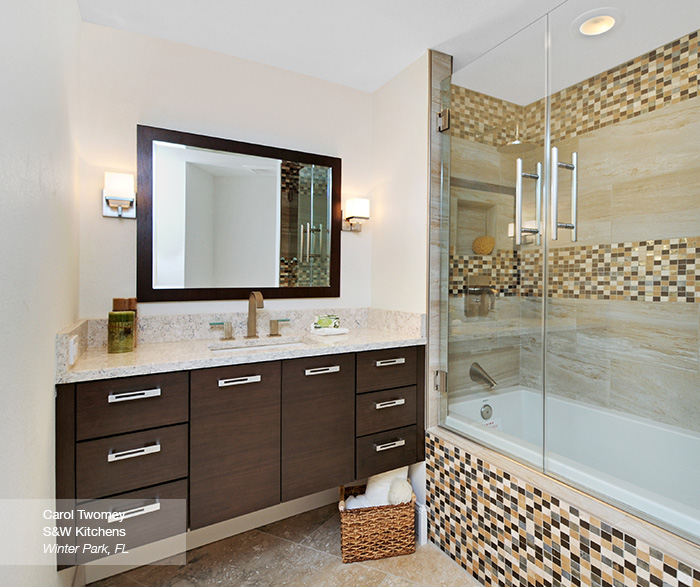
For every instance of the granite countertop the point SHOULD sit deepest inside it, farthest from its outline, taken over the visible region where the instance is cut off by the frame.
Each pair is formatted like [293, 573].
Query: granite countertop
[96, 363]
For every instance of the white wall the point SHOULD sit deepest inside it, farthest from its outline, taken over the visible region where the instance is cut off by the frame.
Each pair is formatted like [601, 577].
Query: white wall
[129, 79]
[399, 199]
[39, 244]
[199, 227]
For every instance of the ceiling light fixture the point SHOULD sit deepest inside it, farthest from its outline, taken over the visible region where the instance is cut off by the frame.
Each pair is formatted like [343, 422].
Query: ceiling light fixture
[596, 22]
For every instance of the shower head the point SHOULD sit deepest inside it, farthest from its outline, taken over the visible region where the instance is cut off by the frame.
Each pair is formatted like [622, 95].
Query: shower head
[516, 146]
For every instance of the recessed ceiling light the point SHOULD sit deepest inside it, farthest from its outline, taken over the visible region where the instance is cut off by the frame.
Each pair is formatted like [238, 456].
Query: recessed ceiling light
[596, 22]
[597, 25]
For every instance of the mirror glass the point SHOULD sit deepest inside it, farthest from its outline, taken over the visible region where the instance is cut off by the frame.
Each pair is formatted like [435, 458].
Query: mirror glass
[222, 218]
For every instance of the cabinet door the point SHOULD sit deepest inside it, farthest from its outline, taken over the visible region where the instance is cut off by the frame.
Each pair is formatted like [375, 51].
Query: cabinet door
[318, 424]
[234, 441]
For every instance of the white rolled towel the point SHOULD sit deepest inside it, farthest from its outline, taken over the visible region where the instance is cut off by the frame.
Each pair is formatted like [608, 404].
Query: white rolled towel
[400, 491]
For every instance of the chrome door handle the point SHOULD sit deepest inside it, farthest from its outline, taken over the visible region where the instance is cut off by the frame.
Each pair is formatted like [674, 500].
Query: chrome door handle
[126, 396]
[389, 445]
[132, 453]
[389, 362]
[573, 167]
[519, 175]
[322, 370]
[240, 380]
[132, 513]
[389, 404]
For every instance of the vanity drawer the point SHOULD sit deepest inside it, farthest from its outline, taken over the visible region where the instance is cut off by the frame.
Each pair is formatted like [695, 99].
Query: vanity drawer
[122, 463]
[385, 451]
[150, 514]
[384, 410]
[386, 368]
[114, 406]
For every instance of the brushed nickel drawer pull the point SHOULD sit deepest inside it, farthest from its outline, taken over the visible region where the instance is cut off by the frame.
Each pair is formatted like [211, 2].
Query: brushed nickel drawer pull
[132, 453]
[240, 380]
[133, 513]
[322, 370]
[389, 362]
[389, 445]
[389, 404]
[126, 396]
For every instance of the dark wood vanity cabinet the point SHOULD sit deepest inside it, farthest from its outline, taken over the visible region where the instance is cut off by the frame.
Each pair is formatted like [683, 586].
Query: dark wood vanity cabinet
[234, 441]
[318, 415]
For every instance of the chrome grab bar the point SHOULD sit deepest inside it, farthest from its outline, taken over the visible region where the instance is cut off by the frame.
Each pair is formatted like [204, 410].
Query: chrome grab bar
[573, 167]
[519, 175]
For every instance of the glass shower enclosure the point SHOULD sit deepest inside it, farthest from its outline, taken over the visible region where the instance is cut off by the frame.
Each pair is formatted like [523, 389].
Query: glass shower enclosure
[571, 325]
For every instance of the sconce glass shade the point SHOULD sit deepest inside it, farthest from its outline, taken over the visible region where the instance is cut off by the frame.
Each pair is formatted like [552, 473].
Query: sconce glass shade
[118, 197]
[357, 210]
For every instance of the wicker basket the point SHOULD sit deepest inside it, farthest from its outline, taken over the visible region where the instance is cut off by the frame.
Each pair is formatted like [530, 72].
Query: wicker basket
[376, 532]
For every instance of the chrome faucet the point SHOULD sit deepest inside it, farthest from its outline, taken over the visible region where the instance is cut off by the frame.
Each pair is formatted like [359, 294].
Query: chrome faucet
[255, 302]
[477, 373]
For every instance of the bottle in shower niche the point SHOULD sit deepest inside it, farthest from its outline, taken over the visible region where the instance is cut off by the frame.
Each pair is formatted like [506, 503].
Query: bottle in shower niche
[120, 332]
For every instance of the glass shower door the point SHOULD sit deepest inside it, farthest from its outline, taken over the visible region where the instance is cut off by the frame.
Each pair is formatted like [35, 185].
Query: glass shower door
[493, 211]
[622, 375]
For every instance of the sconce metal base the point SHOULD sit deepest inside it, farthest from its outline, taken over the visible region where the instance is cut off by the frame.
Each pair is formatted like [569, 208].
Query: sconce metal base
[351, 226]
[128, 210]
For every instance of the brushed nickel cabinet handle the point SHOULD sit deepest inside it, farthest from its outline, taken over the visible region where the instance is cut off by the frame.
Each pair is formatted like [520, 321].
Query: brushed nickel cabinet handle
[322, 370]
[132, 513]
[389, 362]
[389, 445]
[126, 396]
[240, 380]
[132, 453]
[389, 404]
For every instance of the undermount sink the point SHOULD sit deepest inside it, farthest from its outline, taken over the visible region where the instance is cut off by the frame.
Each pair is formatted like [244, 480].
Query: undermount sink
[282, 343]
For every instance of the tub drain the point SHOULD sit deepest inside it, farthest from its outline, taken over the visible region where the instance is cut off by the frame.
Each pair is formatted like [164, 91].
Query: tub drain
[486, 412]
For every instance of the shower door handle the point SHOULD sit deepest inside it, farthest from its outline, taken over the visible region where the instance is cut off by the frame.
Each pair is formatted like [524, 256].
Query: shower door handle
[519, 175]
[573, 167]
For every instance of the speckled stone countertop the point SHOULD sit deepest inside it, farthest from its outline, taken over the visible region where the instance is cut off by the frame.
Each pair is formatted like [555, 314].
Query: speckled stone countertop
[95, 363]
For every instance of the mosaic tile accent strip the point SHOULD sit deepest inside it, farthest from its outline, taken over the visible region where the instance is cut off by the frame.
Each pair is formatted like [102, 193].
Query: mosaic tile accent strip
[509, 533]
[666, 75]
[503, 268]
[294, 273]
[650, 271]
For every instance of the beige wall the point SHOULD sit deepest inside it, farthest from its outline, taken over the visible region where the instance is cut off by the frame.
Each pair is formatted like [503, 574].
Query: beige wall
[39, 244]
[130, 79]
[399, 202]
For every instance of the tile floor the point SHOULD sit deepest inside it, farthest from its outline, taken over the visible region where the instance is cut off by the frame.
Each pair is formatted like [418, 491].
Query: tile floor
[302, 550]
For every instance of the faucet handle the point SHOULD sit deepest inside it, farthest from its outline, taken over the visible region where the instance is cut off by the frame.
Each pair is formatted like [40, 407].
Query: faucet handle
[275, 326]
[228, 329]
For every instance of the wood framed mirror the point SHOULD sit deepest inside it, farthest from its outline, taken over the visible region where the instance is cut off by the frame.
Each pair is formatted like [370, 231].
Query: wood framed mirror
[217, 218]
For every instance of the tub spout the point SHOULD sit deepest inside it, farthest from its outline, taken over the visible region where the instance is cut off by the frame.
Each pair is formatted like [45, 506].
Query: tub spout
[477, 373]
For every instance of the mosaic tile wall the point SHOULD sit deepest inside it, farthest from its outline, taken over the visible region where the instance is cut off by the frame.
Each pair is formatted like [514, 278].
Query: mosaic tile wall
[506, 532]
[503, 268]
[296, 274]
[667, 75]
[651, 271]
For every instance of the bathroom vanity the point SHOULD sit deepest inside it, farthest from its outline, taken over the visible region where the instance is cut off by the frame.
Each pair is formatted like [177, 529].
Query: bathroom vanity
[236, 438]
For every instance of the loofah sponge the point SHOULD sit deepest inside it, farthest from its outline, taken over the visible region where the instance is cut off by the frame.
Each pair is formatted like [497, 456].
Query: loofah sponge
[400, 491]
[483, 245]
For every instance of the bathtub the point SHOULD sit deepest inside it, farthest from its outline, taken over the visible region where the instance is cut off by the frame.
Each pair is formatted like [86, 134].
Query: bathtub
[589, 447]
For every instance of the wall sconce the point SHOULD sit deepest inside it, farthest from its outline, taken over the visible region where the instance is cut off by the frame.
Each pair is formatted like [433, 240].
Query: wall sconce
[118, 197]
[356, 212]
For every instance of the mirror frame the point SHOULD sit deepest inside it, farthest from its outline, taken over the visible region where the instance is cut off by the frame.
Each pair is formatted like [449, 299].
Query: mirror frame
[145, 135]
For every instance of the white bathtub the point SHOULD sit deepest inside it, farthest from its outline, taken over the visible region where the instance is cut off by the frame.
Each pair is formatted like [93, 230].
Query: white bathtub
[649, 467]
